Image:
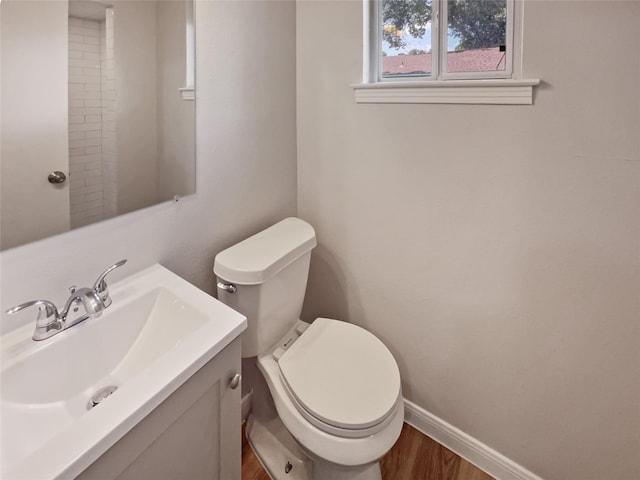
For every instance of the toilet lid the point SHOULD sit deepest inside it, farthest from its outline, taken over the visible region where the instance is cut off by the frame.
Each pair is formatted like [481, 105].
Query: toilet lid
[341, 374]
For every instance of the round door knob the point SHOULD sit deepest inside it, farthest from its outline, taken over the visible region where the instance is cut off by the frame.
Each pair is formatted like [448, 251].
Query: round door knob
[57, 177]
[235, 381]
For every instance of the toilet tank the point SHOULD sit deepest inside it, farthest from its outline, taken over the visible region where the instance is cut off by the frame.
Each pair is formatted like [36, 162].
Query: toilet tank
[269, 271]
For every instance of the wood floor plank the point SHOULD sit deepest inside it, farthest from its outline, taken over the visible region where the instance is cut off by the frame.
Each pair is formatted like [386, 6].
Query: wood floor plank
[414, 457]
[398, 463]
[417, 457]
[468, 471]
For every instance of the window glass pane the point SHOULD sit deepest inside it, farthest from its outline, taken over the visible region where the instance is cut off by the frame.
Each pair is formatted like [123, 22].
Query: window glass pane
[476, 35]
[406, 38]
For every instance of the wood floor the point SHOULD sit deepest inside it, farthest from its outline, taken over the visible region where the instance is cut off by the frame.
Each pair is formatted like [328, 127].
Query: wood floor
[413, 457]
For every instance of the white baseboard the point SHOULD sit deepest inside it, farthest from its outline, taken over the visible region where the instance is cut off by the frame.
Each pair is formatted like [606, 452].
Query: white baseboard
[464, 445]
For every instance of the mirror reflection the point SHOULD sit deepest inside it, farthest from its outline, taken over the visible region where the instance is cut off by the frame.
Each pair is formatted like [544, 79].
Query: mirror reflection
[97, 111]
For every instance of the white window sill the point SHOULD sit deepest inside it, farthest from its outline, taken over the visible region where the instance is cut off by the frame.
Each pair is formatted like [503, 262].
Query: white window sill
[484, 92]
[187, 93]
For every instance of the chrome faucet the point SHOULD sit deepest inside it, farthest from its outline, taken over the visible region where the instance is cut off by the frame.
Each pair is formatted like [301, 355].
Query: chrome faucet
[93, 300]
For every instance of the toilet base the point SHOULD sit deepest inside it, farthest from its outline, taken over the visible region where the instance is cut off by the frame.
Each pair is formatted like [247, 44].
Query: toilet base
[276, 449]
[283, 459]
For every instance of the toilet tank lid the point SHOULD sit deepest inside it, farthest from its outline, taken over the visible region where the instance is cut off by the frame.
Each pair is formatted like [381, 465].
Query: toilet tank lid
[261, 256]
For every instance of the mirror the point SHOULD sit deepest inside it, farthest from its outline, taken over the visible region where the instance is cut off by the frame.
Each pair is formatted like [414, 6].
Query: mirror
[97, 111]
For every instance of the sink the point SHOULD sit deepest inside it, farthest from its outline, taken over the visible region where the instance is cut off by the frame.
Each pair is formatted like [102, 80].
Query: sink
[67, 399]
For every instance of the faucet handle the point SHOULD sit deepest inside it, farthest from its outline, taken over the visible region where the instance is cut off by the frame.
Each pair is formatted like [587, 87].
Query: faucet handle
[100, 287]
[47, 319]
[47, 311]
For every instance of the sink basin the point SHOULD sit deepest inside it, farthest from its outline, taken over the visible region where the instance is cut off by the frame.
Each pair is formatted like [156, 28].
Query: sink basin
[67, 399]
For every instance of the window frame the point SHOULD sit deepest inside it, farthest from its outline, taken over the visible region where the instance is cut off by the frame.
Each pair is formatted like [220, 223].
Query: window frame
[459, 88]
[188, 91]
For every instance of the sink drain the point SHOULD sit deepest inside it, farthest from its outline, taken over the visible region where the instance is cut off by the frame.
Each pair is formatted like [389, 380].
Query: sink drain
[100, 395]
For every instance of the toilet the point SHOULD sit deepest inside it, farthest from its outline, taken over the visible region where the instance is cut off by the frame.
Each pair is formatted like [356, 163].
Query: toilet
[326, 396]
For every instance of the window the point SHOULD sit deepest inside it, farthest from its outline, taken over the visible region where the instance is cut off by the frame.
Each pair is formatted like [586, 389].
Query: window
[444, 44]
[444, 38]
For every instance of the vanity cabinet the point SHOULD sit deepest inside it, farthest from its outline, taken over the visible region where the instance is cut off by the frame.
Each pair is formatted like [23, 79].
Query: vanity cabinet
[194, 434]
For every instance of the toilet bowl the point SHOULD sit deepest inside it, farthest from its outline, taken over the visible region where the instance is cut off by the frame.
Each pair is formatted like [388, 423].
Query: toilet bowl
[347, 414]
[327, 403]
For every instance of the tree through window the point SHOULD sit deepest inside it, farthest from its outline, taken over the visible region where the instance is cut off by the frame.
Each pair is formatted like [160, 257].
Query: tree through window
[444, 38]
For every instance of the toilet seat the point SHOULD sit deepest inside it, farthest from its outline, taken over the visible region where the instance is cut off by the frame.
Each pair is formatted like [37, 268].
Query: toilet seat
[341, 378]
[317, 443]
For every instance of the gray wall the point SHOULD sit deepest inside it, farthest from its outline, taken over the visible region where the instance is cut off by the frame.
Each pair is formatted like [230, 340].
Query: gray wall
[493, 248]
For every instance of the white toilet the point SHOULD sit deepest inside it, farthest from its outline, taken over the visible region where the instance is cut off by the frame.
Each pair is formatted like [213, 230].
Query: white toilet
[328, 402]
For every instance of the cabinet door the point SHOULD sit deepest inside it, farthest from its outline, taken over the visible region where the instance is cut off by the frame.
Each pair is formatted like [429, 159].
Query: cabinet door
[229, 411]
[194, 434]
